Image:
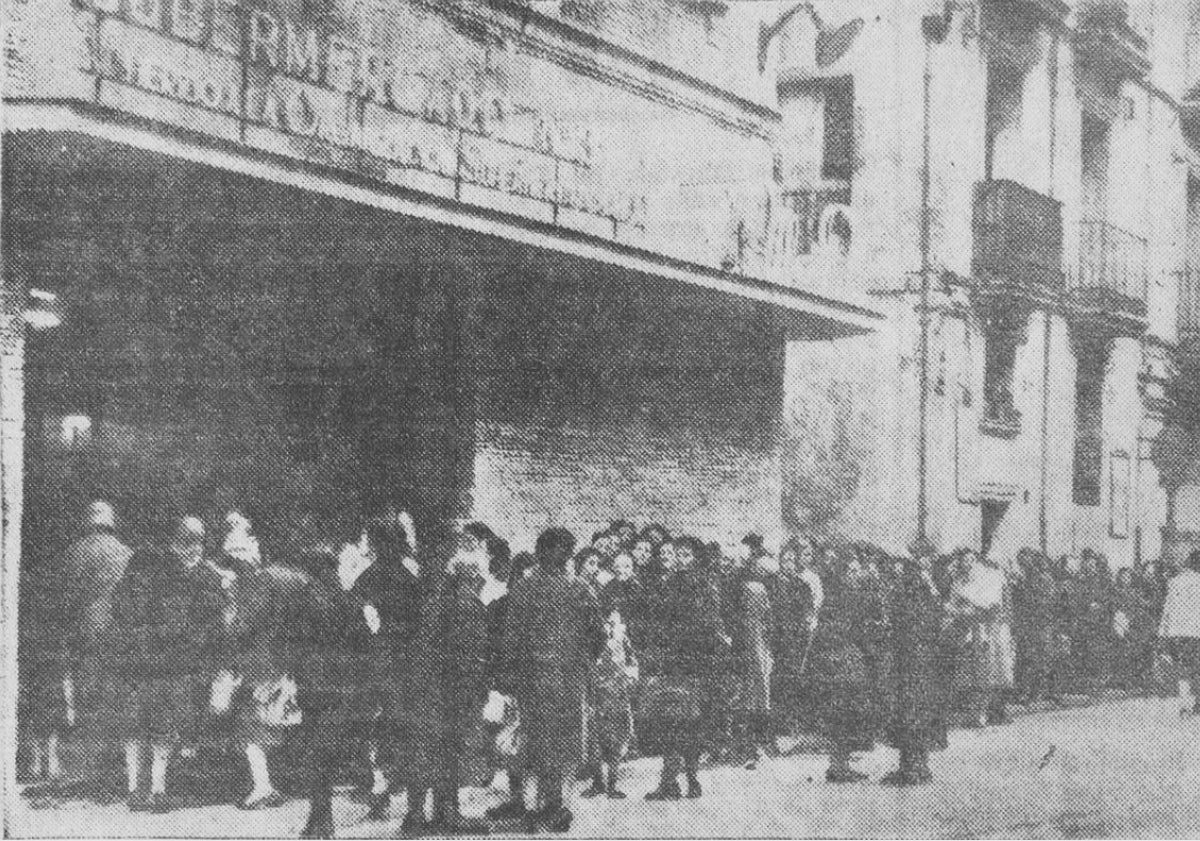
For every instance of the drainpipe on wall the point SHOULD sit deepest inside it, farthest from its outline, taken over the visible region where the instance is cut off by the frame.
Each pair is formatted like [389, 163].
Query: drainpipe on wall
[934, 29]
[1043, 527]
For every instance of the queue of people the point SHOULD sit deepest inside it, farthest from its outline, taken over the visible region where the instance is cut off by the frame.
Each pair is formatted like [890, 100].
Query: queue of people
[435, 664]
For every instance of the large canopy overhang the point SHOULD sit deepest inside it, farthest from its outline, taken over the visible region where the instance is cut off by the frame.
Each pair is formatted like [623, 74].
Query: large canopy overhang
[802, 313]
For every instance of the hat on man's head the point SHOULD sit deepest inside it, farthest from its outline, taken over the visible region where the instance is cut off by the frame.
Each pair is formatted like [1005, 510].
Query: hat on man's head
[754, 541]
[189, 531]
[99, 515]
[554, 547]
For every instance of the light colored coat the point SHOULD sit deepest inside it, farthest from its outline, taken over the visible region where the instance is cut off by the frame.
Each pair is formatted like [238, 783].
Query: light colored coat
[1181, 611]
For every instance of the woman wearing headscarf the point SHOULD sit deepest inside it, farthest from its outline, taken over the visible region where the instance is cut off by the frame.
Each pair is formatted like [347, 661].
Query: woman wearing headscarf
[917, 724]
[389, 593]
[453, 665]
[755, 661]
[845, 660]
[686, 641]
[552, 634]
[256, 659]
[798, 599]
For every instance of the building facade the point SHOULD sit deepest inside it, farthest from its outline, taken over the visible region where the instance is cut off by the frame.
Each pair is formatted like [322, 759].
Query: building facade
[1021, 177]
[513, 261]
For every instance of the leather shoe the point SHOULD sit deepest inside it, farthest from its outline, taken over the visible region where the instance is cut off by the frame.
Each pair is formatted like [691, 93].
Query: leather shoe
[668, 791]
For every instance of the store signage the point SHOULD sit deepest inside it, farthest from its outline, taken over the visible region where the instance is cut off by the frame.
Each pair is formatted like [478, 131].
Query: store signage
[369, 106]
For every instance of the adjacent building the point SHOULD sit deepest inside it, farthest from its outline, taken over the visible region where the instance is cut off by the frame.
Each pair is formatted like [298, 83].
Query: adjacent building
[1021, 181]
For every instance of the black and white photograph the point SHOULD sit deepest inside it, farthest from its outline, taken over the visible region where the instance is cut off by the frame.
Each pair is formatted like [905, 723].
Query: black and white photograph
[649, 419]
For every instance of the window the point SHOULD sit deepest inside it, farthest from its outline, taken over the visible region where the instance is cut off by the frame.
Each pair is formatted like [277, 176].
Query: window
[1004, 89]
[837, 160]
[1002, 334]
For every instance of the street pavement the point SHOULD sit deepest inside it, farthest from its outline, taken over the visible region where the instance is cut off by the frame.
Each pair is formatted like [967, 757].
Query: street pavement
[1126, 768]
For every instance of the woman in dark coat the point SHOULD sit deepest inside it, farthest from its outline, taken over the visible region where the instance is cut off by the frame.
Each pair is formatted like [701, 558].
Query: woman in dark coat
[255, 651]
[1034, 598]
[169, 612]
[687, 640]
[845, 659]
[454, 667]
[1134, 624]
[389, 592]
[797, 599]
[919, 671]
[325, 621]
[552, 634]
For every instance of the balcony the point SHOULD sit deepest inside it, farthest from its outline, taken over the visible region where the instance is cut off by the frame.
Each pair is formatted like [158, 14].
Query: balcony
[1188, 324]
[1105, 38]
[1109, 285]
[1018, 242]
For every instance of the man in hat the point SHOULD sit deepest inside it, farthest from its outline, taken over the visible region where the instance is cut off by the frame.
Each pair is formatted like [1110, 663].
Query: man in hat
[169, 614]
[75, 594]
[552, 634]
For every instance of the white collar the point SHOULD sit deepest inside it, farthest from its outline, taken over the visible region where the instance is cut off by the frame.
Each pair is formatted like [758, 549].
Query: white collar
[492, 590]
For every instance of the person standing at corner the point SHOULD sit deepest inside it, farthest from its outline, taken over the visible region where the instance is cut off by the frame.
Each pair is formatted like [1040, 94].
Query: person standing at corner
[1180, 624]
[77, 591]
[552, 634]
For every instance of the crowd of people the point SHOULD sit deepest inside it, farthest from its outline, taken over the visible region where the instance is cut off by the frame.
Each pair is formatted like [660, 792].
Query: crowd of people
[434, 665]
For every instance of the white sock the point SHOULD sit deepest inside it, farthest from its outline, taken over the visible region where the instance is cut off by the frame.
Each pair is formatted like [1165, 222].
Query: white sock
[160, 756]
[379, 783]
[133, 764]
[53, 766]
[260, 775]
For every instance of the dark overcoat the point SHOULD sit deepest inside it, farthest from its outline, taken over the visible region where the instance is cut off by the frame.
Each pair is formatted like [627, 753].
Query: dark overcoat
[397, 595]
[847, 665]
[454, 666]
[681, 663]
[920, 665]
[552, 633]
[792, 609]
[167, 619]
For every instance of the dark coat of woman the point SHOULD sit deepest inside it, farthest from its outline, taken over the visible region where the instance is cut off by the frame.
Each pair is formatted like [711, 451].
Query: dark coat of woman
[920, 664]
[551, 635]
[396, 594]
[1034, 599]
[680, 663]
[259, 646]
[168, 623]
[324, 620]
[848, 665]
[792, 609]
[168, 619]
[455, 666]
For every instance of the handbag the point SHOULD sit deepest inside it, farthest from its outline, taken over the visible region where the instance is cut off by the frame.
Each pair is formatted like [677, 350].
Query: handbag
[277, 703]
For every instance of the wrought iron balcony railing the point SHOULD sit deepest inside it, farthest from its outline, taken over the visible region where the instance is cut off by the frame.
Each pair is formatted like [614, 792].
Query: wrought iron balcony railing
[1113, 271]
[1018, 239]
